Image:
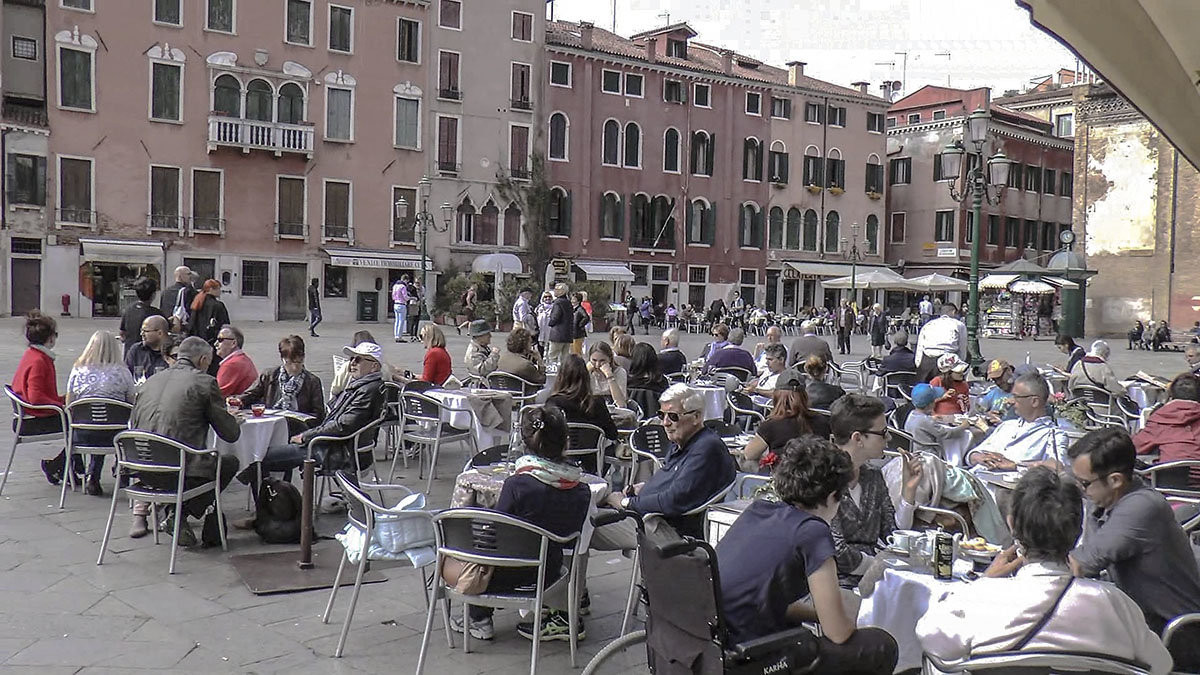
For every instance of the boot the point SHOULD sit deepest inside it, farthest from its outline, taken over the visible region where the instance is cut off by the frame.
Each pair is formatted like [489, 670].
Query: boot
[92, 487]
[53, 468]
[139, 527]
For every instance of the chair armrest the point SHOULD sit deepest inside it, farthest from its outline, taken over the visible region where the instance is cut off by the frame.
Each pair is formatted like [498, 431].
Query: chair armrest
[43, 406]
[751, 649]
[316, 440]
[1167, 466]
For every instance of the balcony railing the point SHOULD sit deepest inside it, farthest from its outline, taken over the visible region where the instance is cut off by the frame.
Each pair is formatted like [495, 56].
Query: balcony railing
[337, 232]
[520, 104]
[277, 137]
[454, 94]
[519, 172]
[164, 222]
[208, 225]
[27, 115]
[291, 231]
[75, 216]
[447, 167]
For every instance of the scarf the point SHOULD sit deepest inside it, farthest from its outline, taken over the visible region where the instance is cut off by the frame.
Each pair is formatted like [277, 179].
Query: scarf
[560, 476]
[289, 386]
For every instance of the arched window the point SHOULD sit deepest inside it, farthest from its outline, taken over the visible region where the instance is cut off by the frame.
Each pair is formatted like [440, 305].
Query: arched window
[777, 163]
[227, 96]
[874, 181]
[259, 100]
[814, 168]
[701, 222]
[558, 136]
[489, 220]
[559, 212]
[662, 222]
[291, 103]
[641, 232]
[633, 145]
[810, 230]
[671, 151]
[793, 229]
[466, 220]
[612, 143]
[775, 228]
[752, 159]
[612, 221]
[832, 232]
[702, 153]
[872, 235]
[835, 169]
[750, 227]
[512, 225]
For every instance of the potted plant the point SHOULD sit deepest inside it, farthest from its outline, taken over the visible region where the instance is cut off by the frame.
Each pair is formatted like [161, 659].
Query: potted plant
[874, 195]
[813, 188]
[835, 190]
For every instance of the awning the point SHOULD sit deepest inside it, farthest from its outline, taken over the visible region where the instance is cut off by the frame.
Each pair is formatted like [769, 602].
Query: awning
[1031, 287]
[1060, 282]
[122, 251]
[354, 257]
[939, 282]
[878, 278]
[819, 269]
[604, 271]
[997, 281]
[505, 263]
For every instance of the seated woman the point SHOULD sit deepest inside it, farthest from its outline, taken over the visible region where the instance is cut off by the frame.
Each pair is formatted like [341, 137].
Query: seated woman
[790, 418]
[609, 380]
[436, 367]
[821, 394]
[520, 358]
[573, 395]
[646, 381]
[36, 383]
[778, 553]
[99, 372]
[1028, 600]
[956, 395]
[289, 386]
[547, 492]
[1173, 431]
[622, 346]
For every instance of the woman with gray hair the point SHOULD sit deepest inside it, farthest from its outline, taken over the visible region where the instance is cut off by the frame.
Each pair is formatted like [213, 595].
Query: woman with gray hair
[1094, 370]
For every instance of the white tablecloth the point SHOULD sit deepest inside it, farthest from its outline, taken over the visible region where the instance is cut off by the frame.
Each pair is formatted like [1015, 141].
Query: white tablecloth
[900, 599]
[487, 432]
[258, 434]
[715, 402]
[1144, 395]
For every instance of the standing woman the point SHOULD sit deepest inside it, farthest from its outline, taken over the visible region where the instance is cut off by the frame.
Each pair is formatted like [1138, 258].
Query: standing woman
[36, 382]
[99, 372]
[208, 312]
[543, 320]
[580, 320]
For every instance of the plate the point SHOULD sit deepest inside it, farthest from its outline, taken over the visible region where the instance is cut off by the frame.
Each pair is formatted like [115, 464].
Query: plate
[896, 550]
[982, 556]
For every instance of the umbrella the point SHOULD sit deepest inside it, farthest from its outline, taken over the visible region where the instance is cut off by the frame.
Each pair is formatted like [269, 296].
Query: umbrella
[938, 282]
[1021, 266]
[997, 281]
[874, 279]
[1031, 287]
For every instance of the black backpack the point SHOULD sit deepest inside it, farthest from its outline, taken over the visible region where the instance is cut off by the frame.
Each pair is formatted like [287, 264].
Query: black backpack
[279, 507]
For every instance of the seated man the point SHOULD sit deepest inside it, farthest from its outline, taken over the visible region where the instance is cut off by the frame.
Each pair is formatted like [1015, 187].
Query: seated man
[1031, 437]
[236, 372]
[776, 554]
[182, 403]
[481, 357]
[145, 358]
[996, 404]
[808, 344]
[1133, 535]
[901, 359]
[1191, 354]
[670, 359]
[774, 337]
[1094, 370]
[1004, 611]
[776, 361]
[732, 355]
[1173, 430]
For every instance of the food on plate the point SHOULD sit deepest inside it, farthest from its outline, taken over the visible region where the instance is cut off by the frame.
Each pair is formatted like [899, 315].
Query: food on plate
[978, 544]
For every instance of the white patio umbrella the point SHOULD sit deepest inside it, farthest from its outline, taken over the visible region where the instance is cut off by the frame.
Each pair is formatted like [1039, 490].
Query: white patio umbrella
[871, 280]
[1031, 287]
[938, 282]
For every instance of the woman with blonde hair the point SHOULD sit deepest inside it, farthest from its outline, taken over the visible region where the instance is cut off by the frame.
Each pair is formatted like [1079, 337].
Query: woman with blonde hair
[99, 372]
[623, 350]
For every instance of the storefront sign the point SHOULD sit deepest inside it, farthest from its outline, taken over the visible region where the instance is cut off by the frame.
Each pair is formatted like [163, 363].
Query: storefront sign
[561, 266]
[947, 253]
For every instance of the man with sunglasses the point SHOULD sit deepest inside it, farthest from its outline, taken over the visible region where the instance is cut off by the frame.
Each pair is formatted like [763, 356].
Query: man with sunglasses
[236, 372]
[1032, 438]
[1132, 534]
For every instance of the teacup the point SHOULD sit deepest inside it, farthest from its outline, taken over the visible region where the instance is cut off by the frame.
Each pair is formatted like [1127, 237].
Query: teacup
[902, 539]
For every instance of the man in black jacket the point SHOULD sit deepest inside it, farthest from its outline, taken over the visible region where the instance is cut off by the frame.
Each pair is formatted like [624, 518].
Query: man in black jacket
[562, 327]
[314, 306]
[170, 299]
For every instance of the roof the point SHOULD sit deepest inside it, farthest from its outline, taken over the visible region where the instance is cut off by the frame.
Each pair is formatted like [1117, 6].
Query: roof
[681, 26]
[1026, 117]
[702, 58]
[1045, 94]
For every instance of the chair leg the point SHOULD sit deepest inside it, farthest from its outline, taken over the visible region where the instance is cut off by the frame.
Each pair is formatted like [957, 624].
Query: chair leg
[362, 568]
[180, 517]
[220, 516]
[428, 624]
[537, 628]
[573, 610]
[337, 581]
[433, 454]
[631, 600]
[466, 610]
[67, 478]
[112, 512]
[154, 521]
[8, 467]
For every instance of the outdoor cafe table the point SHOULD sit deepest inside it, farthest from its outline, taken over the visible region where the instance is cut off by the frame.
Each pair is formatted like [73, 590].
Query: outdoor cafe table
[486, 412]
[258, 434]
[481, 486]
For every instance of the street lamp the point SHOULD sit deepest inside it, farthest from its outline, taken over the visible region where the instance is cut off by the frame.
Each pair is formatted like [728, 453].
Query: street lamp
[976, 186]
[853, 256]
[424, 220]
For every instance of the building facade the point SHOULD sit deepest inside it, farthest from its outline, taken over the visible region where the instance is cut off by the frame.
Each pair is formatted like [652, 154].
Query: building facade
[684, 171]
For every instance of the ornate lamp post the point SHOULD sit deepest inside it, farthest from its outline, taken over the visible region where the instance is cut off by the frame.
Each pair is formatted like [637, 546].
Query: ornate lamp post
[853, 255]
[424, 221]
[978, 184]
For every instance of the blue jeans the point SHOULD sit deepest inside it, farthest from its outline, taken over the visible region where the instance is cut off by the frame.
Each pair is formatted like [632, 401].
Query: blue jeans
[315, 318]
[401, 320]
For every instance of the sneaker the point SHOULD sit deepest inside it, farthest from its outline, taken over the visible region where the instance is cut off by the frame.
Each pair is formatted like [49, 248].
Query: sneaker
[480, 630]
[554, 627]
[585, 604]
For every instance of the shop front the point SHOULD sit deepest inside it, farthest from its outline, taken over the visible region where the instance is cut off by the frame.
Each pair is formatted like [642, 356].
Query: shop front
[363, 279]
[109, 268]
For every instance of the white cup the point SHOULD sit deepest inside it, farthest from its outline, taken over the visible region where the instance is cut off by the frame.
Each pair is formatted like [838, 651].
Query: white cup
[902, 539]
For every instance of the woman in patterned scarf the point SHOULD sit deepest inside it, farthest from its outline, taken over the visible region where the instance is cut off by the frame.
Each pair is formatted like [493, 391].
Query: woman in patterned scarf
[289, 386]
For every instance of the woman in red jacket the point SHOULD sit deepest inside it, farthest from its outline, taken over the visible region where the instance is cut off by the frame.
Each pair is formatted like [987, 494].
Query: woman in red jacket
[37, 383]
[1173, 430]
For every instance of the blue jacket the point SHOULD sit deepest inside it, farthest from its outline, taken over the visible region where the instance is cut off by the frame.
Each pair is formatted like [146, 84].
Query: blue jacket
[691, 476]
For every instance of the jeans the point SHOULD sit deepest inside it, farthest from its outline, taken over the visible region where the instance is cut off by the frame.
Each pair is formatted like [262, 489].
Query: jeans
[314, 319]
[284, 458]
[196, 506]
[401, 320]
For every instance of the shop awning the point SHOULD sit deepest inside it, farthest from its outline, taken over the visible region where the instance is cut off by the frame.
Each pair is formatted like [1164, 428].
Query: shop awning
[605, 271]
[997, 282]
[1060, 282]
[121, 251]
[819, 269]
[354, 257]
[505, 263]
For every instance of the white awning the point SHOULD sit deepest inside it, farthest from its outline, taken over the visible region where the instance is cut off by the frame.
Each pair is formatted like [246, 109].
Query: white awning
[1060, 282]
[605, 271]
[353, 257]
[997, 281]
[506, 263]
[122, 251]
[819, 269]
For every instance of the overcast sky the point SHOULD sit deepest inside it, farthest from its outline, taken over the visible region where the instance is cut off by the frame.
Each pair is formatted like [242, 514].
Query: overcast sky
[966, 42]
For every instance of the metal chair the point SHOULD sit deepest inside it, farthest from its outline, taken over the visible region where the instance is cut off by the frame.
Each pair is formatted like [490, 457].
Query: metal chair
[1174, 625]
[650, 442]
[902, 440]
[492, 538]
[93, 414]
[144, 453]
[586, 441]
[743, 406]
[737, 371]
[492, 455]
[429, 431]
[898, 384]
[1104, 407]
[22, 412]
[1038, 663]
[849, 374]
[391, 423]
[363, 515]
[523, 391]
[746, 484]
[362, 442]
[935, 511]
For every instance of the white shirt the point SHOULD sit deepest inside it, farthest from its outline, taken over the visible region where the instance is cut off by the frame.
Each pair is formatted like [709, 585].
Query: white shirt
[925, 307]
[988, 616]
[520, 311]
[761, 362]
[1023, 441]
[943, 335]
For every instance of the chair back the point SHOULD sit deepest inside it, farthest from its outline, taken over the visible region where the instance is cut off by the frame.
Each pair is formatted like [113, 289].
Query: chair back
[417, 407]
[99, 414]
[1173, 479]
[646, 401]
[147, 452]
[737, 371]
[743, 406]
[391, 402]
[899, 384]
[492, 455]
[586, 440]
[492, 538]
[901, 440]
[522, 390]
[1027, 662]
[746, 484]
[363, 512]
[650, 442]
[23, 411]
[723, 428]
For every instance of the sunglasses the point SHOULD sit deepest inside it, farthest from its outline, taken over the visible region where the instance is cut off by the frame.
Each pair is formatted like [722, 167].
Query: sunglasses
[1085, 483]
[226, 339]
[674, 416]
[361, 359]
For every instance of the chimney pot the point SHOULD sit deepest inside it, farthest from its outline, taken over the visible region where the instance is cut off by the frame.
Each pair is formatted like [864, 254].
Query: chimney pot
[795, 72]
[651, 49]
[585, 34]
[727, 61]
[862, 86]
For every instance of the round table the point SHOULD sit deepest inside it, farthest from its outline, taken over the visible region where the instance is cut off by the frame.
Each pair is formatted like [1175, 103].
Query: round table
[901, 597]
[258, 434]
[486, 412]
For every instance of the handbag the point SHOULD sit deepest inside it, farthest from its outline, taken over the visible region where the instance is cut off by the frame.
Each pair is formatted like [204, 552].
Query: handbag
[473, 578]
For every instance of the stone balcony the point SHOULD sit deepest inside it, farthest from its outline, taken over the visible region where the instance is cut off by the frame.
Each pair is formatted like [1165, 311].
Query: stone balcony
[277, 137]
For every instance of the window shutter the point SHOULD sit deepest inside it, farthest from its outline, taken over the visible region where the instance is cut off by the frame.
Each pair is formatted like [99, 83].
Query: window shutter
[756, 232]
[565, 214]
[39, 188]
[708, 225]
[10, 179]
[711, 153]
[783, 167]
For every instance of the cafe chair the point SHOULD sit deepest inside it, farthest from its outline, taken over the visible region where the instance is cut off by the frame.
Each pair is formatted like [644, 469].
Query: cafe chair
[390, 424]
[1171, 630]
[363, 441]
[489, 537]
[22, 412]
[424, 425]
[1172, 479]
[737, 371]
[849, 375]
[587, 443]
[901, 440]
[1027, 662]
[141, 453]
[932, 511]
[92, 414]
[523, 391]
[1104, 409]
[744, 410]
[364, 515]
[745, 485]
[492, 455]
[649, 443]
[898, 385]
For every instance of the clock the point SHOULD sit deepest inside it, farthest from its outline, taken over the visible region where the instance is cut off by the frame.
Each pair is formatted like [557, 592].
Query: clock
[1066, 237]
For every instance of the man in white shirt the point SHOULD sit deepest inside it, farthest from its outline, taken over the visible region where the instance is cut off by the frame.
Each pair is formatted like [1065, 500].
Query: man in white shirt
[925, 309]
[1031, 602]
[1032, 437]
[775, 356]
[774, 336]
[944, 335]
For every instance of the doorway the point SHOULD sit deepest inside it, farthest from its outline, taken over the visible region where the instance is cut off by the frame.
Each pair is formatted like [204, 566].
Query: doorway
[26, 285]
[110, 285]
[292, 297]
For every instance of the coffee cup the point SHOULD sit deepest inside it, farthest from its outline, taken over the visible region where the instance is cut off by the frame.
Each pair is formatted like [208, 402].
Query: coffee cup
[258, 409]
[902, 539]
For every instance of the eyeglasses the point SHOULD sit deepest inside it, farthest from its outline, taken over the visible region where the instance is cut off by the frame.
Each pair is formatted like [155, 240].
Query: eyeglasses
[885, 433]
[1086, 483]
[1026, 396]
[226, 339]
[674, 416]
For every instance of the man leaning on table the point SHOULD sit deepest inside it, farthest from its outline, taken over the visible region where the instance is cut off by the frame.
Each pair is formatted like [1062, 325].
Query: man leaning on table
[1032, 437]
[944, 335]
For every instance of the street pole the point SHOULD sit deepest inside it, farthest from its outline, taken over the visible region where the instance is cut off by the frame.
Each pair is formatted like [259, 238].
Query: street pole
[977, 187]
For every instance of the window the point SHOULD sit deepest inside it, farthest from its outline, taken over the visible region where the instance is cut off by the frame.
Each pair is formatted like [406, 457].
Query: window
[662, 224]
[1064, 125]
[1012, 232]
[875, 122]
[611, 143]
[702, 95]
[1048, 181]
[671, 151]
[914, 118]
[24, 48]
[165, 82]
[634, 84]
[610, 82]
[489, 220]
[450, 14]
[26, 246]
[750, 227]
[447, 157]
[1016, 176]
[408, 123]
[220, 15]
[164, 198]
[522, 26]
[466, 221]
[559, 212]
[777, 163]
[748, 282]
[335, 282]
[837, 116]
[753, 103]
[518, 151]
[337, 210]
[781, 108]
[1066, 184]
[891, 122]
[702, 153]
[339, 114]
[814, 167]
[943, 226]
[290, 207]
[291, 104]
[404, 230]
[677, 48]
[792, 240]
[558, 136]
[832, 232]
[259, 101]
[512, 225]
[299, 22]
[78, 4]
[341, 29]
[448, 76]
[874, 181]
[26, 182]
[939, 115]
[896, 231]
[1049, 237]
[814, 113]
[811, 225]
[901, 171]
[633, 146]
[701, 223]
[408, 40]
[993, 232]
[1033, 179]
[775, 228]
[872, 234]
[76, 77]
[641, 275]
[207, 205]
[1031, 237]
[672, 91]
[697, 286]
[520, 86]
[752, 159]
[612, 217]
[255, 278]
[835, 170]
[560, 74]
[938, 173]
[168, 12]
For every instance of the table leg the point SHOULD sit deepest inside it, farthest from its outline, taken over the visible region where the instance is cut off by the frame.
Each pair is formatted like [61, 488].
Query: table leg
[306, 516]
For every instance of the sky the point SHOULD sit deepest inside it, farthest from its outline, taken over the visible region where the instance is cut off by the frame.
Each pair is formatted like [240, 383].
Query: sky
[963, 43]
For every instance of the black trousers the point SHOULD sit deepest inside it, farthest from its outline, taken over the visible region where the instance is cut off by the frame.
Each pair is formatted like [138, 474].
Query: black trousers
[196, 506]
[843, 340]
[869, 651]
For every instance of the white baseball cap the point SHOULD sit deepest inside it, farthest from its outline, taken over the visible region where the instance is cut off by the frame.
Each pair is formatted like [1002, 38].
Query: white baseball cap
[367, 349]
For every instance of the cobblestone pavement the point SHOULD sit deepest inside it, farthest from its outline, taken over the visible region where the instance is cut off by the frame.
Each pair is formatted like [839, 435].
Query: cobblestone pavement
[61, 613]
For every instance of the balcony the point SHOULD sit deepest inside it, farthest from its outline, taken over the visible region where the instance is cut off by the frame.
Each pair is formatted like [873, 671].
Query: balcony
[520, 104]
[291, 231]
[25, 114]
[519, 172]
[450, 94]
[447, 168]
[75, 216]
[247, 135]
[164, 222]
[207, 225]
[341, 232]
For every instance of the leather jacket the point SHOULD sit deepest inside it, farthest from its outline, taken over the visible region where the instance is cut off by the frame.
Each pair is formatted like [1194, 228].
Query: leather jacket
[359, 404]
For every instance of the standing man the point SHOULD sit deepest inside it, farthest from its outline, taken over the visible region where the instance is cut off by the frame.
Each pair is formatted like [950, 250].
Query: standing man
[845, 326]
[561, 324]
[416, 294]
[135, 314]
[400, 307]
[878, 330]
[944, 335]
[314, 306]
[522, 313]
[737, 310]
[925, 309]
[176, 301]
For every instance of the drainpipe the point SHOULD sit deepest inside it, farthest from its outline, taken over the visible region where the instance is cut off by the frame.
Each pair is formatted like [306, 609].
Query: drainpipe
[1171, 244]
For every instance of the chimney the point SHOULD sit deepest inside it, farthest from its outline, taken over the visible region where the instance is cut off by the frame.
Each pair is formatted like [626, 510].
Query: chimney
[795, 72]
[651, 49]
[727, 61]
[862, 86]
[585, 34]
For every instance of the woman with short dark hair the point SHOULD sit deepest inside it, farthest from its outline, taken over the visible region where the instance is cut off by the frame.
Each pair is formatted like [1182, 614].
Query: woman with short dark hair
[289, 386]
[520, 358]
[36, 383]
